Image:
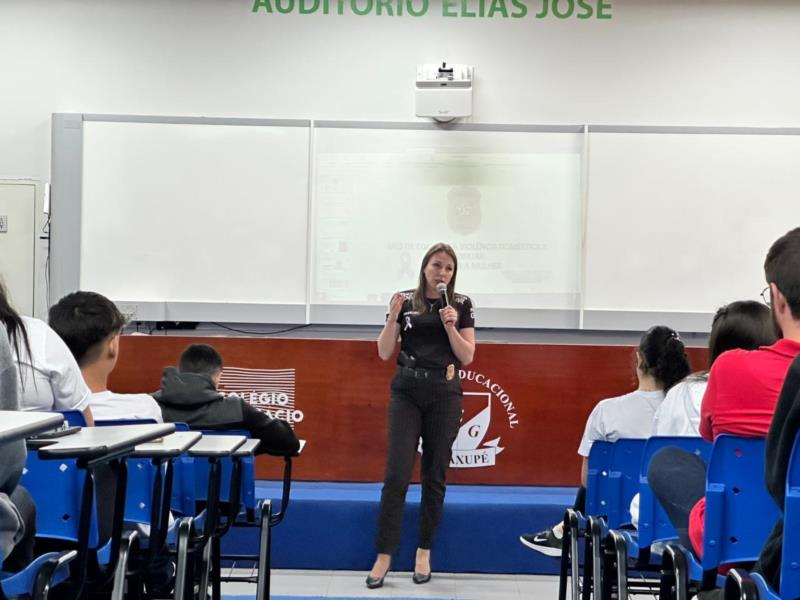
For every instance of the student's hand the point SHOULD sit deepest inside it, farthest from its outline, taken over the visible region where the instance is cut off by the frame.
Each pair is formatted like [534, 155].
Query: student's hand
[449, 316]
[395, 305]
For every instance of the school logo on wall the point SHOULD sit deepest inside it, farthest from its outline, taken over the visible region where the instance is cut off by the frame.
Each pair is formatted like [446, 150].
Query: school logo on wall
[488, 410]
[269, 390]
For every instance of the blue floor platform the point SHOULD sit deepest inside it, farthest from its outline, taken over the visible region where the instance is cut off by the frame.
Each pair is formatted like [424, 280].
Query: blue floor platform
[332, 526]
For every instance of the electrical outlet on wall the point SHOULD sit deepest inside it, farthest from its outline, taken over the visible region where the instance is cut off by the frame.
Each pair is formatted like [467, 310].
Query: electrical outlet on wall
[3, 223]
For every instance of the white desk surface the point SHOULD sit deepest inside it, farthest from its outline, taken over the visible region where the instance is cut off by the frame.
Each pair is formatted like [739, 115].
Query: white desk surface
[94, 442]
[15, 425]
[169, 446]
[217, 445]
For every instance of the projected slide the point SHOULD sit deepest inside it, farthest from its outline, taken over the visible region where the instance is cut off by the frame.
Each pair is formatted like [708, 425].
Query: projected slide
[509, 203]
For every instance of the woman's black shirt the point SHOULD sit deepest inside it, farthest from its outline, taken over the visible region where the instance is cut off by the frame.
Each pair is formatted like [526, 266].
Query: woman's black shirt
[422, 335]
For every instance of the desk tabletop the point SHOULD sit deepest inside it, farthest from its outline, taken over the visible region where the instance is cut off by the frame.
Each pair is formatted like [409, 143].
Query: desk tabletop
[217, 445]
[248, 448]
[169, 446]
[16, 425]
[95, 442]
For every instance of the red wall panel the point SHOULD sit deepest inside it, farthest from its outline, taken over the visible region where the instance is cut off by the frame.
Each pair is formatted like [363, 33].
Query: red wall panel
[538, 398]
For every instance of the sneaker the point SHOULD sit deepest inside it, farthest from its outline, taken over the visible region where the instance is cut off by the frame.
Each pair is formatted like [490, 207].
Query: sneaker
[545, 542]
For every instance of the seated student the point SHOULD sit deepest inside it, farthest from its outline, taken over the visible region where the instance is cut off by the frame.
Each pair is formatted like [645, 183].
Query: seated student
[780, 439]
[90, 324]
[743, 388]
[49, 376]
[17, 510]
[745, 324]
[189, 394]
[660, 363]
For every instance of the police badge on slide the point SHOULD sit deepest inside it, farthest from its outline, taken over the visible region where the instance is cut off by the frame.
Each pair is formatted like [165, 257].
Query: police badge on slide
[464, 209]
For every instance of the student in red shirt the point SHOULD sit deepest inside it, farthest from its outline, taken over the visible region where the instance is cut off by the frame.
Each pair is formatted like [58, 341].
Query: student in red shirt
[743, 389]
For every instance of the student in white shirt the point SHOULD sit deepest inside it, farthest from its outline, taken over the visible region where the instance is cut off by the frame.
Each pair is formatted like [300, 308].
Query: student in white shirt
[661, 362]
[90, 325]
[744, 324]
[49, 377]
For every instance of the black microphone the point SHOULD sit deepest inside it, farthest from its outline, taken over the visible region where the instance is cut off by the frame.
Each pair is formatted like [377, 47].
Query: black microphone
[442, 289]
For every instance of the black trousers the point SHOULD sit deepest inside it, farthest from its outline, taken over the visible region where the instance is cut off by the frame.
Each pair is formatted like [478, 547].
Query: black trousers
[671, 465]
[427, 408]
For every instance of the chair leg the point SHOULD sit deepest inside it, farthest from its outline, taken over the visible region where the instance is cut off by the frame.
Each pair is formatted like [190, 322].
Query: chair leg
[216, 585]
[597, 559]
[126, 544]
[674, 574]
[182, 556]
[44, 578]
[587, 586]
[575, 558]
[621, 556]
[264, 562]
[563, 572]
[205, 571]
[739, 586]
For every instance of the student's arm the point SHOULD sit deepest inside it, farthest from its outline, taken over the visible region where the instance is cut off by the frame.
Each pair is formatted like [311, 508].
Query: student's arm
[88, 416]
[584, 471]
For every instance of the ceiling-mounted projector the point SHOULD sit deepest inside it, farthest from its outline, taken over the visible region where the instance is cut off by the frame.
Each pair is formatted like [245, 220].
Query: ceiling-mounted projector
[444, 92]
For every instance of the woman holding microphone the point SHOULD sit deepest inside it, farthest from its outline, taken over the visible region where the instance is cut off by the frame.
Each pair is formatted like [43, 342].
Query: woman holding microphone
[436, 328]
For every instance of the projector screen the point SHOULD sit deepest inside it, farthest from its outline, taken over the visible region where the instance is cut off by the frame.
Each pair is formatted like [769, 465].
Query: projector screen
[508, 203]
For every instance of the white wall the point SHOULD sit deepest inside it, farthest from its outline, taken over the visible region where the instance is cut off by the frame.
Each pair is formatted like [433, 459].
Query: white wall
[655, 62]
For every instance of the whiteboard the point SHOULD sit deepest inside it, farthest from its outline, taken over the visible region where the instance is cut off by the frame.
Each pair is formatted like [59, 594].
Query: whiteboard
[508, 202]
[289, 222]
[681, 223]
[190, 214]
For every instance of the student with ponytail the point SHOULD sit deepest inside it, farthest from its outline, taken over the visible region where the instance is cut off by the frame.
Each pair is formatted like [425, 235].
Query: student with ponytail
[661, 362]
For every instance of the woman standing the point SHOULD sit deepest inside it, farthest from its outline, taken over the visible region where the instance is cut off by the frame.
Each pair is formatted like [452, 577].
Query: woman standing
[437, 337]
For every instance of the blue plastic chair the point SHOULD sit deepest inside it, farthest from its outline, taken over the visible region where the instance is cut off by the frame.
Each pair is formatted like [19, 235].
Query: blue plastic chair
[739, 516]
[248, 487]
[57, 488]
[623, 480]
[612, 479]
[749, 586]
[596, 475]
[632, 547]
[74, 418]
[36, 580]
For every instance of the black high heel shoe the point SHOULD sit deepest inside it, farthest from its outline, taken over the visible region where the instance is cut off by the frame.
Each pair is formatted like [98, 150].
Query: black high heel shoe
[420, 578]
[374, 583]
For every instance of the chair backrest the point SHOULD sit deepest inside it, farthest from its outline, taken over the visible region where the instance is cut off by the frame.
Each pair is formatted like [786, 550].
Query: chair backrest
[57, 488]
[597, 476]
[74, 418]
[654, 524]
[141, 478]
[739, 511]
[623, 479]
[790, 557]
[248, 487]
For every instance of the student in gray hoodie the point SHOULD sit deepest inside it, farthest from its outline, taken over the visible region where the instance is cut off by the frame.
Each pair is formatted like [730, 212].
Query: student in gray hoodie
[17, 510]
[189, 394]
